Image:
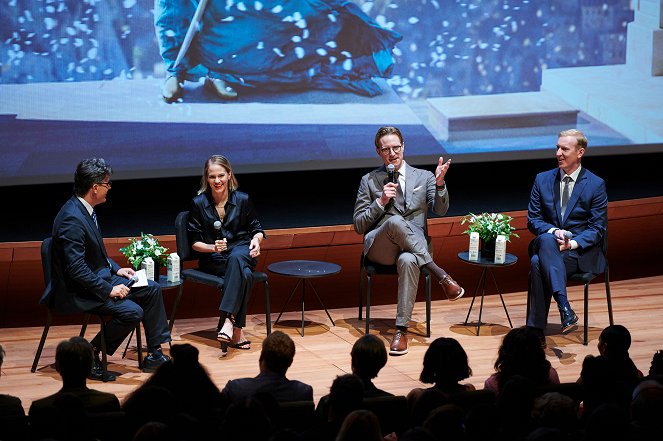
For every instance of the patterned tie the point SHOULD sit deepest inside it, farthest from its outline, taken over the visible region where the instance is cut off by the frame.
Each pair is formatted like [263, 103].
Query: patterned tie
[94, 218]
[565, 194]
[399, 201]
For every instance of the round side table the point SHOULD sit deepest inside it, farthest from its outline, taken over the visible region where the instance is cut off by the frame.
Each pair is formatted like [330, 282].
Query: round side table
[487, 265]
[304, 270]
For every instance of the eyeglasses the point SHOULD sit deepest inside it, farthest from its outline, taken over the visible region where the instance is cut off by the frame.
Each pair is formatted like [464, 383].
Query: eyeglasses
[395, 149]
[108, 184]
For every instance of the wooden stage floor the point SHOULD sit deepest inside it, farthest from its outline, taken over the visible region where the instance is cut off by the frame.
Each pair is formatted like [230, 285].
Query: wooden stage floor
[324, 351]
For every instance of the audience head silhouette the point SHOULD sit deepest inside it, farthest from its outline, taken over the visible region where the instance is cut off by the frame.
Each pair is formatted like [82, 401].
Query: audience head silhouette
[368, 356]
[74, 360]
[345, 395]
[360, 425]
[656, 367]
[445, 362]
[614, 341]
[277, 354]
[521, 354]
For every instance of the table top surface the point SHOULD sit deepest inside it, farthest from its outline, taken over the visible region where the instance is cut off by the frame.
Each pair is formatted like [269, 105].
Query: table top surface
[165, 284]
[304, 268]
[509, 259]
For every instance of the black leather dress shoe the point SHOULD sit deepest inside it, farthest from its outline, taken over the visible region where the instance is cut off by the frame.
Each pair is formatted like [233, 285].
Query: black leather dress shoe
[99, 374]
[154, 360]
[569, 318]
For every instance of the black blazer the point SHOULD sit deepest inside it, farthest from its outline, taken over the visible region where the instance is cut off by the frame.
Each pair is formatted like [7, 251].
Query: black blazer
[80, 268]
[239, 225]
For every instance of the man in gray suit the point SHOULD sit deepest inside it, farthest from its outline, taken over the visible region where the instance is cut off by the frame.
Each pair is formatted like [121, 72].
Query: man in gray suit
[392, 217]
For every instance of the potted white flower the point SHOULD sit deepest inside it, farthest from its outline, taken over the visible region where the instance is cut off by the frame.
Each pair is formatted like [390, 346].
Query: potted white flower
[142, 247]
[489, 226]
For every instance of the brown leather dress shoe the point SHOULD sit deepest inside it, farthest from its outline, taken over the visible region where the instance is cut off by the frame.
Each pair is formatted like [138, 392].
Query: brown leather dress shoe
[452, 290]
[398, 344]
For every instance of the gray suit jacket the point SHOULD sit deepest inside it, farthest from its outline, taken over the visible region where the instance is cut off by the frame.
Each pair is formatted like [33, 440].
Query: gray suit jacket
[421, 195]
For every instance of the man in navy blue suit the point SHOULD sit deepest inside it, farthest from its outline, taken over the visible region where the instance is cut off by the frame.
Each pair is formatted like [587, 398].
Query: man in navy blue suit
[276, 356]
[568, 214]
[84, 278]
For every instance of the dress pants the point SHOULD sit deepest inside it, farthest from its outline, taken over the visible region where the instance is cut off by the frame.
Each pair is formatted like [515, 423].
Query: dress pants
[403, 243]
[144, 303]
[549, 270]
[235, 266]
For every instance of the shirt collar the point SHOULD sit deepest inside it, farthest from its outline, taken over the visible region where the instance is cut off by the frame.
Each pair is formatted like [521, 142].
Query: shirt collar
[403, 169]
[87, 205]
[574, 175]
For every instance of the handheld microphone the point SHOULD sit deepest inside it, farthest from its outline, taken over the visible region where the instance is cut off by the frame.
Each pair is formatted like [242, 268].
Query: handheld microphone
[217, 227]
[131, 281]
[129, 284]
[568, 235]
[390, 173]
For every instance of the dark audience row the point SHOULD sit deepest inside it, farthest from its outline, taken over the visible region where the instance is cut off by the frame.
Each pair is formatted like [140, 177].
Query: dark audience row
[523, 400]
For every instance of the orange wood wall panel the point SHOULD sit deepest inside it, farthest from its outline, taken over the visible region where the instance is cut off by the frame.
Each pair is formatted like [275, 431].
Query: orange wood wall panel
[635, 250]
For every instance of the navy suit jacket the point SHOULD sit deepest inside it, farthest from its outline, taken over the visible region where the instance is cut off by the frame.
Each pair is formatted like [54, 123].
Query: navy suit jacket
[586, 214]
[81, 271]
[272, 383]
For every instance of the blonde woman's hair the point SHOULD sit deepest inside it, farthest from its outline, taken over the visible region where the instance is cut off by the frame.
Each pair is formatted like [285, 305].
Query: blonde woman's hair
[223, 162]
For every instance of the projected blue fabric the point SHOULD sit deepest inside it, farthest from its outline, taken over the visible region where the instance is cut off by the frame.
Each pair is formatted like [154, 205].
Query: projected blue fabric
[277, 45]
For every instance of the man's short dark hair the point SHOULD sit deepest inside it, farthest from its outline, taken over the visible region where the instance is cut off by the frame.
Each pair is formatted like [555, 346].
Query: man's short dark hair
[368, 356]
[617, 339]
[387, 130]
[89, 172]
[74, 358]
[278, 352]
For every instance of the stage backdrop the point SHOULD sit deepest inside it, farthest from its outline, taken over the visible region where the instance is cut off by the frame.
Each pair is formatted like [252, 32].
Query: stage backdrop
[472, 80]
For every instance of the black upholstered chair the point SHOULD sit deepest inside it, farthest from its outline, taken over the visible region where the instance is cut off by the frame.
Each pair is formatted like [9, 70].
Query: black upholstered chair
[46, 262]
[369, 269]
[586, 279]
[185, 253]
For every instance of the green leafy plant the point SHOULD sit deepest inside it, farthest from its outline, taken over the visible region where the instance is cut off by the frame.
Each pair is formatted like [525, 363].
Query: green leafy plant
[489, 225]
[140, 248]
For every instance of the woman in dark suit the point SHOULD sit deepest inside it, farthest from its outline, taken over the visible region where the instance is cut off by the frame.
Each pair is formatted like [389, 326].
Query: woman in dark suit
[228, 249]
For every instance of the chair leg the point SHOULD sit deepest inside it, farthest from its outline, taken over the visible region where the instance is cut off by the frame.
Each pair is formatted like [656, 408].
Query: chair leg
[139, 345]
[268, 313]
[428, 300]
[368, 301]
[586, 315]
[606, 275]
[176, 304]
[529, 291]
[86, 319]
[49, 320]
[361, 293]
[126, 347]
[104, 357]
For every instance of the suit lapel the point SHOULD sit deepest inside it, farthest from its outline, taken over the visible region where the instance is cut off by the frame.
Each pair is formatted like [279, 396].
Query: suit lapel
[412, 176]
[575, 195]
[97, 234]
